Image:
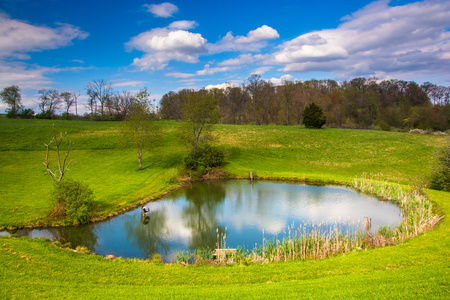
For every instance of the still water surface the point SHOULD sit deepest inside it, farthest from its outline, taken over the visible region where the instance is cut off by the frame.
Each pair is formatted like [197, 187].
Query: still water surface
[190, 217]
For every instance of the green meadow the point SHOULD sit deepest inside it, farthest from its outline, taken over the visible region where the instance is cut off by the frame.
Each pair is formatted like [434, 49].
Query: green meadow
[416, 268]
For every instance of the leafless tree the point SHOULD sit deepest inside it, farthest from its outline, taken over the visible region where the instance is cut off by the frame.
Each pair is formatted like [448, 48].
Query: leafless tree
[121, 104]
[98, 91]
[68, 100]
[63, 165]
[49, 101]
[75, 96]
[287, 91]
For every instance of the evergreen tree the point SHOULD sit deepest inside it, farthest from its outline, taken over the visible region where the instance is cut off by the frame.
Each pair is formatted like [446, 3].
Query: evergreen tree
[313, 116]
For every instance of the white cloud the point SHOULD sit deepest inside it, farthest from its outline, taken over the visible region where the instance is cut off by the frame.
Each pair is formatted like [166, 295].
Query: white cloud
[128, 83]
[254, 41]
[378, 39]
[207, 70]
[162, 45]
[18, 37]
[221, 86]
[243, 59]
[184, 25]
[259, 34]
[30, 77]
[262, 70]
[180, 75]
[282, 79]
[163, 10]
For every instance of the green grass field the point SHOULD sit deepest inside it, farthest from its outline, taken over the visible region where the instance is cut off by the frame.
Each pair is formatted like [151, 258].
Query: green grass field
[417, 268]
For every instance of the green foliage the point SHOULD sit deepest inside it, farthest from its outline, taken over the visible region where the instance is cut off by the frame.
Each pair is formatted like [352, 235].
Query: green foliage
[440, 178]
[11, 96]
[313, 116]
[73, 200]
[204, 158]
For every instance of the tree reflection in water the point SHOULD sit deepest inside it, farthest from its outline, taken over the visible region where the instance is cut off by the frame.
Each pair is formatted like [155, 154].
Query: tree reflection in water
[200, 215]
[83, 235]
[148, 232]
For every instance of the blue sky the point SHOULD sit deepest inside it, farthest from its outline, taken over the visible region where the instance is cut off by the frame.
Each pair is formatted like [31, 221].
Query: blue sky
[194, 44]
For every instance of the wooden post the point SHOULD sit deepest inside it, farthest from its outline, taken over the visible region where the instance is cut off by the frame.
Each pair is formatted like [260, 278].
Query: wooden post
[251, 176]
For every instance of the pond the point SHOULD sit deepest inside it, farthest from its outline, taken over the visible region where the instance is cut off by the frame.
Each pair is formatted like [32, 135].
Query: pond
[224, 214]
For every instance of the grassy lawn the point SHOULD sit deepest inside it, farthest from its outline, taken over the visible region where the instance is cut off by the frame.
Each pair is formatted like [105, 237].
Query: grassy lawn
[417, 268]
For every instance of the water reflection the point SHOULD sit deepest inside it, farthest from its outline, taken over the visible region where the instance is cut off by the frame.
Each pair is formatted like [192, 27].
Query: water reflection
[189, 217]
[199, 216]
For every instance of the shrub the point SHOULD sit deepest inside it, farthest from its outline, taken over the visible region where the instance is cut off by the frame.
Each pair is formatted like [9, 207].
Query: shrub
[313, 116]
[44, 115]
[204, 158]
[27, 113]
[74, 201]
[384, 125]
[440, 178]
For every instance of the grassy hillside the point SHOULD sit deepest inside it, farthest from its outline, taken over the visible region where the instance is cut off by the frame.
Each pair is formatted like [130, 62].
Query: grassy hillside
[36, 269]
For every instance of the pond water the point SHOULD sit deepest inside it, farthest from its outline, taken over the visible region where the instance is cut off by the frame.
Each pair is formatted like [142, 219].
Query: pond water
[238, 211]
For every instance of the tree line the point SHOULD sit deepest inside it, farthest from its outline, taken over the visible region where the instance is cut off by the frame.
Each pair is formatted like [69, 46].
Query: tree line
[356, 103]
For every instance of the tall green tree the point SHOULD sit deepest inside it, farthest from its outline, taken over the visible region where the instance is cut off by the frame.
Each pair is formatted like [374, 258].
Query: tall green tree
[141, 127]
[199, 115]
[11, 96]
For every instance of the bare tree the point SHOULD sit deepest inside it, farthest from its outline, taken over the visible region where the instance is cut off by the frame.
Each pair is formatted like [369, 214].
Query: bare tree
[49, 101]
[121, 104]
[98, 91]
[63, 165]
[75, 96]
[254, 87]
[287, 91]
[68, 100]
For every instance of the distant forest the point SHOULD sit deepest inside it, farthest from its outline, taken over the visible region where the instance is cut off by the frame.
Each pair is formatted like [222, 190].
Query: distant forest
[357, 103]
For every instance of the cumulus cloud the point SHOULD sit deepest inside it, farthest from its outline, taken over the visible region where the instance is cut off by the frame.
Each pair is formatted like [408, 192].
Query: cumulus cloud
[162, 45]
[174, 42]
[254, 41]
[163, 10]
[377, 39]
[18, 37]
